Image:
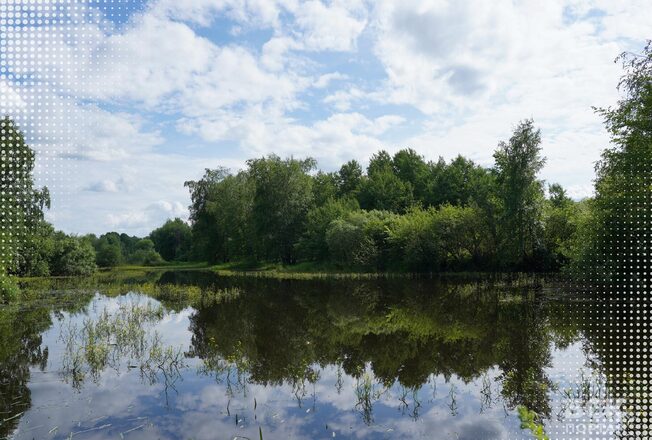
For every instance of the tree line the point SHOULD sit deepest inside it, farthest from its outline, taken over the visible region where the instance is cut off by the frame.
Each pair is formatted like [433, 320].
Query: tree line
[400, 213]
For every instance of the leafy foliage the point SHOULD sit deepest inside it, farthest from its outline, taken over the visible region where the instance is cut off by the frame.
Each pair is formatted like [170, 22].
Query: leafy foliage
[619, 227]
[172, 240]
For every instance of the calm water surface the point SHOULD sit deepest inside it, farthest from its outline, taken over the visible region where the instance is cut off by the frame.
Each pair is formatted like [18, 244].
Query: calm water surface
[304, 360]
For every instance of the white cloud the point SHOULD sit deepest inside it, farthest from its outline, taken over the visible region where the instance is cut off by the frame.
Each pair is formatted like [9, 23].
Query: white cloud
[330, 79]
[333, 139]
[326, 79]
[330, 27]
[476, 69]
[154, 214]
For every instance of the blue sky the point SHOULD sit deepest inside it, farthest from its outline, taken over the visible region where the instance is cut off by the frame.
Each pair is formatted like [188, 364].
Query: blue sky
[131, 99]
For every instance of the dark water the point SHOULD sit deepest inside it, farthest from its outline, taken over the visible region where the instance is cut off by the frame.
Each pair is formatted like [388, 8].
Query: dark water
[305, 360]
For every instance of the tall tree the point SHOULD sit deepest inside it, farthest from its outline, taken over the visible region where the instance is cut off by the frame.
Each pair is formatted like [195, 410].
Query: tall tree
[21, 204]
[518, 162]
[410, 167]
[620, 233]
[206, 237]
[349, 179]
[282, 197]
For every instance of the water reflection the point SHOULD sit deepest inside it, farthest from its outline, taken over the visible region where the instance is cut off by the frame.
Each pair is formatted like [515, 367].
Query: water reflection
[301, 359]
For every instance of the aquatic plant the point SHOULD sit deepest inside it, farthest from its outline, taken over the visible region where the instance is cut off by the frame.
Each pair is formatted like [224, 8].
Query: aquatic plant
[531, 420]
[115, 337]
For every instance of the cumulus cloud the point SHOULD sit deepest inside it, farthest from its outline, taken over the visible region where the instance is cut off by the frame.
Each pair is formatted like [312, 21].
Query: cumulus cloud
[156, 213]
[330, 79]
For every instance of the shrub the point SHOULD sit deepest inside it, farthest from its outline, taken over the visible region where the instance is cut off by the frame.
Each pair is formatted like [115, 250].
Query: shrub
[348, 245]
[74, 257]
[415, 241]
[8, 288]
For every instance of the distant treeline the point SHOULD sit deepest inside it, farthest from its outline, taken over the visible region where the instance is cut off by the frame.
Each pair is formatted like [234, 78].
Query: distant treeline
[402, 213]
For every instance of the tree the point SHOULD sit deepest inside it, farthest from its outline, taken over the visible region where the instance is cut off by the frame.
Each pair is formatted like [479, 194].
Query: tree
[108, 250]
[35, 253]
[416, 242]
[348, 243]
[560, 227]
[324, 187]
[558, 197]
[313, 244]
[21, 205]
[411, 168]
[172, 240]
[73, 257]
[517, 165]
[349, 179]
[282, 197]
[619, 232]
[383, 190]
[221, 216]
[379, 162]
[145, 254]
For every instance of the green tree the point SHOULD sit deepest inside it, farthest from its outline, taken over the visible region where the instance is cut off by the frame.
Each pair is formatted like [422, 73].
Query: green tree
[313, 244]
[383, 190]
[518, 162]
[619, 232]
[145, 254]
[416, 242]
[349, 179]
[221, 216]
[172, 240]
[21, 205]
[108, 250]
[35, 253]
[459, 183]
[282, 197]
[324, 187]
[411, 168]
[73, 257]
[379, 162]
[348, 244]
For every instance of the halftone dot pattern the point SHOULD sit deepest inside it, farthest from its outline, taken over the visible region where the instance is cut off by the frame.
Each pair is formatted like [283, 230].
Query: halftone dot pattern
[48, 50]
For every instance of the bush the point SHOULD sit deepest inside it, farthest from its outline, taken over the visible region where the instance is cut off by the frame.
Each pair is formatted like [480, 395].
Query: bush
[8, 288]
[348, 245]
[313, 244]
[108, 252]
[144, 254]
[416, 242]
[35, 252]
[73, 257]
[361, 239]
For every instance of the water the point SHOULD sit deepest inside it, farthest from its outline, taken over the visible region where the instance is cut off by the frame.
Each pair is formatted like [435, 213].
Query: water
[305, 360]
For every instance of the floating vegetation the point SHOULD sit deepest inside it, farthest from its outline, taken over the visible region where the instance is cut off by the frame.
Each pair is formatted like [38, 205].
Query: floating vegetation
[113, 339]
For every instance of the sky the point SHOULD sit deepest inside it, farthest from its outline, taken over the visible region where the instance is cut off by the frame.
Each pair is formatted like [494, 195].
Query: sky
[125, 100]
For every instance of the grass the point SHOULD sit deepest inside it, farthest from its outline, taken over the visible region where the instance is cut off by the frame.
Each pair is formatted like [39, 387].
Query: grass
[308, 270]
[312, 270]
[193, 295]
[115, 337]
[181, 265]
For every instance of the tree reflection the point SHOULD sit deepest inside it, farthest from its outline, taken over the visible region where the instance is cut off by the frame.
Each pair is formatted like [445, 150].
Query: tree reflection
[400, 333]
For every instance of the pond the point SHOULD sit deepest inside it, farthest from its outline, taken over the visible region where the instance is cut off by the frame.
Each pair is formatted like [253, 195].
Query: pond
[190, 355]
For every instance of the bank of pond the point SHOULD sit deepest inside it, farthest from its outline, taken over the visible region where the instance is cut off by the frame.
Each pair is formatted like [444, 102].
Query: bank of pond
[188, 354]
